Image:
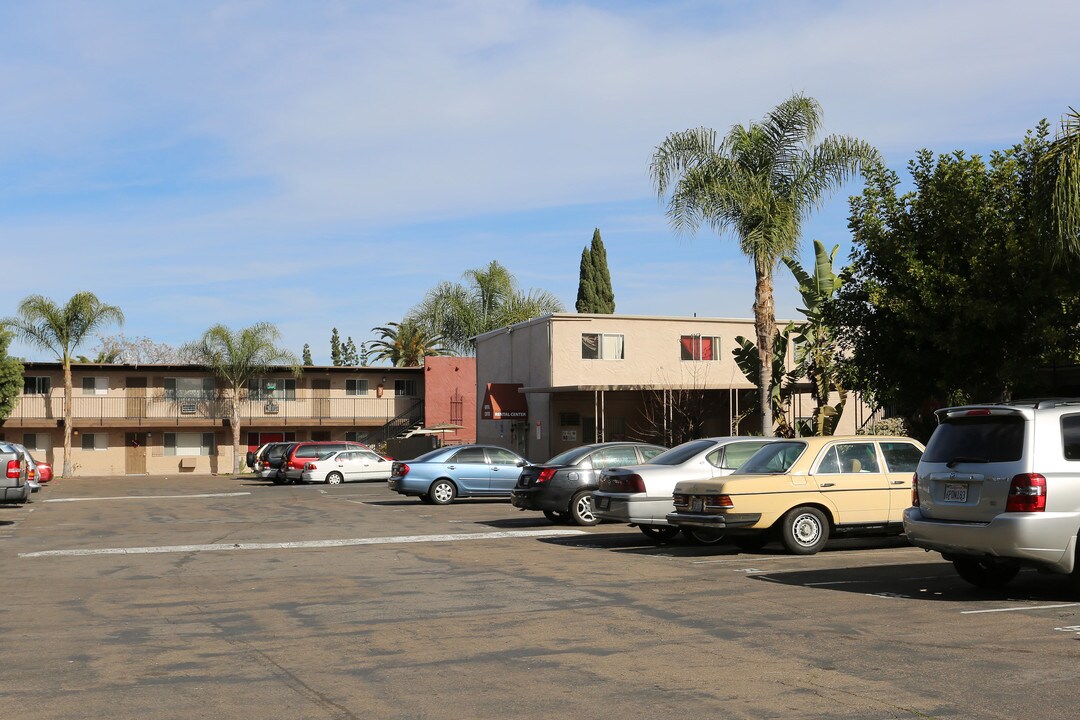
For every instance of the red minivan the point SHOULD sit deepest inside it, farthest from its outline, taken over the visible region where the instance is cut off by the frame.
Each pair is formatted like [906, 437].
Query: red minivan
[302, 452]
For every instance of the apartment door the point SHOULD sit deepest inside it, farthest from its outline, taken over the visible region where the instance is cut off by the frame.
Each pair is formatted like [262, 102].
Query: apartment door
[320, 393]
[135, 453]
[136, 397]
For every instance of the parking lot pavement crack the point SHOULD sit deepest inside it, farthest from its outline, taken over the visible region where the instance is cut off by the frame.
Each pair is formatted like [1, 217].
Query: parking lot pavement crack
[820, 689]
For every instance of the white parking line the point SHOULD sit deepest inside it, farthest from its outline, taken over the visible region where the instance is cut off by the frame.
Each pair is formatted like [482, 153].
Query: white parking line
[1017, 609]
[303, 544]
[147, 497]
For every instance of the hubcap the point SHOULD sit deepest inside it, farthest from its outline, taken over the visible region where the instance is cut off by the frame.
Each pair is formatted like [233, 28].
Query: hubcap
[584, 509]
[806, 530]
[335, 479]
[442, 492]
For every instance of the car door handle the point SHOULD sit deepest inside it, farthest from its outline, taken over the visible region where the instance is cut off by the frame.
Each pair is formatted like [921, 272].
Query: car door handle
[451, 467]
[494, 469]
[900, 482]
[826, 484]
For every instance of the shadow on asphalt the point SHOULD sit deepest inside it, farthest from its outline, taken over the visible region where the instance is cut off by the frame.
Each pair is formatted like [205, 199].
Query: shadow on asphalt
[935, 581]
[525, 520]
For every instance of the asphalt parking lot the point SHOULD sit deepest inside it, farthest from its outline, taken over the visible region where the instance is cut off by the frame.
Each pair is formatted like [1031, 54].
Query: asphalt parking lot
[220, 597]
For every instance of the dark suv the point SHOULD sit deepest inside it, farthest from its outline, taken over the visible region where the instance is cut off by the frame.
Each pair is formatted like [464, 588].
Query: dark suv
[268, 466]
[297, 454]
[562, 487]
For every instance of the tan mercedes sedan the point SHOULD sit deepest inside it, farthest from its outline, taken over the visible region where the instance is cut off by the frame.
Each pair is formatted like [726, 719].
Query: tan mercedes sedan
[802, 491]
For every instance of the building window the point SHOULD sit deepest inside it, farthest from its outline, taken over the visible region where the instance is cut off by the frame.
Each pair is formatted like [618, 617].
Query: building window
[320, 436]
[272, 389]
[352, 436]
[182, 388]
[38, 442]
[601, 346]
[95, 441]
[405, 387]
[358, 386]
[189, 444]
[95, 386]
[37, 385]
[699, 347]
[569, 419]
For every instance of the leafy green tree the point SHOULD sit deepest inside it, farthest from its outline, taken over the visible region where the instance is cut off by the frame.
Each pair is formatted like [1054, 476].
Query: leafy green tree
[349, 356]
[60, 329]
[308, 362]
[11, 376]
[404, 344]
[815, 346]
[956, 291]
[595, 294]
[236, 357]
[335, 348]
[759, 182]
[488, 299]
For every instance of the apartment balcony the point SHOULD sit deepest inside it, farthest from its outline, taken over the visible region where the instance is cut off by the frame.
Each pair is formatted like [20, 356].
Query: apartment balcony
[197, 410]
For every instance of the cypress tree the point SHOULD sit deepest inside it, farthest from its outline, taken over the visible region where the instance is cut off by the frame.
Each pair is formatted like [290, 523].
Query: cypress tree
[604, 294]
[335, 348]
[307, 356]
[586, 289]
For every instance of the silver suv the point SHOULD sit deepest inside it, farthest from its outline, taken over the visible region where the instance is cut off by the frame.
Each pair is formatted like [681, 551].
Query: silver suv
[999, 488]
[13, 480]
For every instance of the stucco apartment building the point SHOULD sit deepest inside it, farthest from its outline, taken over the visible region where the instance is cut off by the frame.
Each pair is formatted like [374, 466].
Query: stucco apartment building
[563, 380]
[162, 419]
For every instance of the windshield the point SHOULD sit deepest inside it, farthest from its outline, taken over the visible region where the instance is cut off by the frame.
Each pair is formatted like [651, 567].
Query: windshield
[774, 458]
[988, 438]
[571, 457]
[681, 453]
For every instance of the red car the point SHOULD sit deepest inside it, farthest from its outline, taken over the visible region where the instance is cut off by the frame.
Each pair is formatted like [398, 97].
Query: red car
[44, 471]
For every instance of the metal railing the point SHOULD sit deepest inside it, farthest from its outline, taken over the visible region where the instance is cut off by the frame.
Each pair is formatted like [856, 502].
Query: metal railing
[197, 406]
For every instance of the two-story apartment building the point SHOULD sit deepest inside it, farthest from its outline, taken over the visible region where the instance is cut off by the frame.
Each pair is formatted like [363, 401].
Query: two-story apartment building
[160, 419]
[563, 380]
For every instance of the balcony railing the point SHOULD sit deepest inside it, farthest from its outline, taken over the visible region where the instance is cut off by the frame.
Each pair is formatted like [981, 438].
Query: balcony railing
[363, 410]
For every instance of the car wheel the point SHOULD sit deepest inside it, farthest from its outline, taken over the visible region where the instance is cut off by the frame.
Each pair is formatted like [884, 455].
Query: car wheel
[426, 499]
[659, 533]
[555, 516]
[703, 536]
[804, 530]
[278, 480]
[581, 511]
[334, 478]
[751, 543]
[986, 573]
[442, 492]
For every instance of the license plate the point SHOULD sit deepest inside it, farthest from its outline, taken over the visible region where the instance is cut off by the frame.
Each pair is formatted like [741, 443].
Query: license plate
[696, 504]
[956, 492]
[603, 503]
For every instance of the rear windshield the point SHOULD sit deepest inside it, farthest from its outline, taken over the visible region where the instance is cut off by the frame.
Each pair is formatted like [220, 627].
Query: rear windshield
[571, 457]
[681, 453]
[980, 439]
[776, 457]
[429, 455]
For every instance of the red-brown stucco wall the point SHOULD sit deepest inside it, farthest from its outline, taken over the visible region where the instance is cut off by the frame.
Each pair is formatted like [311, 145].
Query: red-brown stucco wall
[446, 378]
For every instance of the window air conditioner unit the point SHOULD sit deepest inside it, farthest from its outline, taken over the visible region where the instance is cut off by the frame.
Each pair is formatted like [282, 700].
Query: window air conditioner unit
[188, 408]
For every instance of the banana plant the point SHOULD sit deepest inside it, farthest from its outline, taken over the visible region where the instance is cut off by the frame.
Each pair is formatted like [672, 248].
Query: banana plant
[782, 383]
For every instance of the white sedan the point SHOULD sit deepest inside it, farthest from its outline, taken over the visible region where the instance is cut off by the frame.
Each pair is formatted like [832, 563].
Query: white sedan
[346, 466]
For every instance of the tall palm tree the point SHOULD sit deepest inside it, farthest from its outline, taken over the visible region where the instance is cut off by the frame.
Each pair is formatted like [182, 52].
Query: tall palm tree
[236, 357]
[1063, 161]
[759, 182]
[404, 344]
[488, 299]
[60, 329]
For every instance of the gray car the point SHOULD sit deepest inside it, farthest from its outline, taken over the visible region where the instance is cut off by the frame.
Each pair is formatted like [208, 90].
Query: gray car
[13, 485]
[641, 494]
[998, 488]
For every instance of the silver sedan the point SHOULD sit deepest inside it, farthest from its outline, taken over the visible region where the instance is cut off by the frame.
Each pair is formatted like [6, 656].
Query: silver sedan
[641, 495]
[347, 466]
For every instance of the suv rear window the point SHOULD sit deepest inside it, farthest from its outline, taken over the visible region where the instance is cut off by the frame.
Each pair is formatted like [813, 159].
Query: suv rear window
[1070, 436]
[993, 438]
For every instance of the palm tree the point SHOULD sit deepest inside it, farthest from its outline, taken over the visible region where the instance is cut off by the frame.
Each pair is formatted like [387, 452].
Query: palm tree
[404, 344]
[60, 329]
[759, 182]
[236, 357]
[1063, 160]
[489, 299]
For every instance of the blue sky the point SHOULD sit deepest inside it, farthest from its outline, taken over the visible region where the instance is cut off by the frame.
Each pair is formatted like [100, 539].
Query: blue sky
[323, 164]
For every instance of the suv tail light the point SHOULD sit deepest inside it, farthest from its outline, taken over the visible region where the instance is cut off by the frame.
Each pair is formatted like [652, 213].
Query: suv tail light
[915, 490]
[1027, 493]
[545, 475]
[13, 469]
[309, 466]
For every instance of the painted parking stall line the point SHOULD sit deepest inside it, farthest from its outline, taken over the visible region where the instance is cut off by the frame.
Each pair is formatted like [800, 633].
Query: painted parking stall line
[305, 544]
[147, 497]
[1019, 609]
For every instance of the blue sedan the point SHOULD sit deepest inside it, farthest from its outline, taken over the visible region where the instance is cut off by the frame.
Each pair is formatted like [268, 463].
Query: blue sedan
[439, 476]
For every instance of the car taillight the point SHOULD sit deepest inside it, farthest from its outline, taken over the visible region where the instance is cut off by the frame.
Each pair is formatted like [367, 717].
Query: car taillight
[915, 490]
[718, 501]
[1027, 493]
[309, 466]
[402, 469]
[12, 469]
[622, 483]
[680, 500]
[545, 475]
